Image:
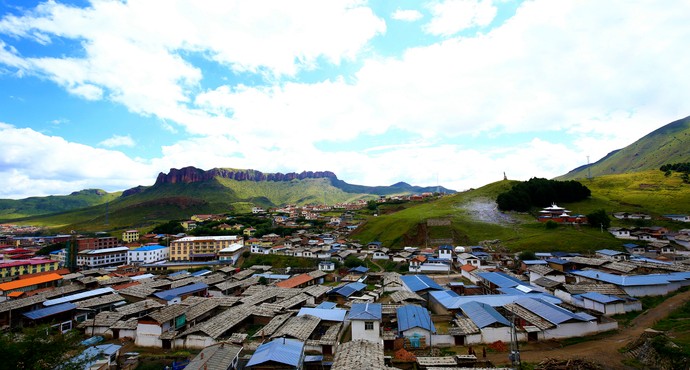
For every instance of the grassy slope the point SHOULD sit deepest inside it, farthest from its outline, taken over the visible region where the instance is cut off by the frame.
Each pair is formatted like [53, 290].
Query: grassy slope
[18, 208]
[668, 144]
[179, 201]
[647, 191]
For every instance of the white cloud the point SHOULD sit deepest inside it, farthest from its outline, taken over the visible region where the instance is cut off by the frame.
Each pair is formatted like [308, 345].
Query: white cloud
[409, 15]
[453, 16]
[118, 140]
[32, 164]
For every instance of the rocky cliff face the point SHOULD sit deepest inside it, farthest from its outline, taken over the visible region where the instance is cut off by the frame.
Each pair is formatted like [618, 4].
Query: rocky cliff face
[193, 174]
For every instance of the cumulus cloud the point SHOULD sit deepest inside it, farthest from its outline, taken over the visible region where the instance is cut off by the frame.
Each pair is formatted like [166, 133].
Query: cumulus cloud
[32, 163]
[118, 140]
[452, 16]
[408, 15]
[601, 74]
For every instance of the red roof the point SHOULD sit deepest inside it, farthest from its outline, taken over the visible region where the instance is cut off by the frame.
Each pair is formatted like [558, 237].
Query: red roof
[295, 281]
[26, 262]
[467, 268]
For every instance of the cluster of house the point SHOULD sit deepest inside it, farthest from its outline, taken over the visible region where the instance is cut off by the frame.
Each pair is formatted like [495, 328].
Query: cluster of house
[656, 236]
[269, 319]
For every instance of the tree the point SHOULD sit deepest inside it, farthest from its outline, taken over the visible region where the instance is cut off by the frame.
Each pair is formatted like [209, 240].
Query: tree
[170, 227]
[599, 218]
[527, 256]
[372, 205]
[41, 347]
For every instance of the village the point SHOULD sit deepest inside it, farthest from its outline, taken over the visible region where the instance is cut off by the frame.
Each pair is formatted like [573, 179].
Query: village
[361, 305]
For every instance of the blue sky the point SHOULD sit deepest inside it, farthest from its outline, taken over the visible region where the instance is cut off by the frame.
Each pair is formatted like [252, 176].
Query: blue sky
[107, 94]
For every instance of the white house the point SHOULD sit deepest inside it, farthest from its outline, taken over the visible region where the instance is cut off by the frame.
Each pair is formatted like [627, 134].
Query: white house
[151, 326]
[231, 253]
[606, 304]
[327, 266]
[148, 254]
[365, 321]
[414, 322]
[445, 252]
[468, 259]
[94, 258]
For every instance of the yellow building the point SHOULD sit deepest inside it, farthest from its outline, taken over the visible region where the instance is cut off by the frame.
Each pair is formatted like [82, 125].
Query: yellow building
[130, 236]
[192, 248]
[23, 267]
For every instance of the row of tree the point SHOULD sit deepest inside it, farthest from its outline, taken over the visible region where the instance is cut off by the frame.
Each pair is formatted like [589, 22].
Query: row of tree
[540, 192]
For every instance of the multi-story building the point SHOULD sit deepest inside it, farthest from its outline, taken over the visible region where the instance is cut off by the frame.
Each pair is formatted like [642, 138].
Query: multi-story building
[148, 254]
[97, 243]
[130, 236]
[102, 257]
[30, 266]
[192, 248]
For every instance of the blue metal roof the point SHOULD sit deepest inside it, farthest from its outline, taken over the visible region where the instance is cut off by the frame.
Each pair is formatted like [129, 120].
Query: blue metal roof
[174, 293]
[201, 272]
[483, 314]
[51, 310]
[366, 311]
[281, 350]
[630, 245]
[534, 262]
[417, 283]
[179, 273]
[452, 301]
[609, 252]
[359, 269]
[327, 305]
[549, 312]
[324, 313]
[601, 298]
[148, 248]
[446, 247]
[413, 316]
[349, 289]
[626, 280]
[500, 279]
[558, 261]
[79, 296]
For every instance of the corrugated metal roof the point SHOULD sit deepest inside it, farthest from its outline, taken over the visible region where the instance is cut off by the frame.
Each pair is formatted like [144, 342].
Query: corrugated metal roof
[413, 316]
[350, 289]
[49, 311]
[500, 279]
[418, 283]
[483, 315]
[327, 305]
[22, 283]
[453, 301]
[187, 289]
[601, 298]
[324, 314]
[625, 280]
[365, 311]
[552, 313]
[281, 350]
[79, 296]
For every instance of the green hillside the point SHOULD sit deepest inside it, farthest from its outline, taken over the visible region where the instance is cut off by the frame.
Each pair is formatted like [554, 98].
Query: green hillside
[19, 208]
[474, 218]
[164, 202]
[668, 144]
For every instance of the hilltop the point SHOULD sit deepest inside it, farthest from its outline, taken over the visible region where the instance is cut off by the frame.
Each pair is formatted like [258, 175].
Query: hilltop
[668, 144]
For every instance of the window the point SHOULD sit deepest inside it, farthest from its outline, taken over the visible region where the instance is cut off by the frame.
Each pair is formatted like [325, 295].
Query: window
[368, 325]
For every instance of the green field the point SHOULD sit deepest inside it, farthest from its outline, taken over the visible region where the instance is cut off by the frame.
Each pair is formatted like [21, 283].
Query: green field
[648, 192]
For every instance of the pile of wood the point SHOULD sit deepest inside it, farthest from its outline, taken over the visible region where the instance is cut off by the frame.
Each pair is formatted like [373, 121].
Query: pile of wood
[571, 364]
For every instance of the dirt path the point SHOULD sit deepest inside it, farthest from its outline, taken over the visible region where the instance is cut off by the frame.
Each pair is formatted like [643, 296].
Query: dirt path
[603, 351]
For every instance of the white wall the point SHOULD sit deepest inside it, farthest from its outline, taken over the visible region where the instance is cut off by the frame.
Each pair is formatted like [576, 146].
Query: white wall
[147, 335]
[358, 331]
[198, 341]
[421, 332]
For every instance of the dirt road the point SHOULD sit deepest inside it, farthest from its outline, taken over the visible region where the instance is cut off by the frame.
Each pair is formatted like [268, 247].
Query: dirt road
[604, 351]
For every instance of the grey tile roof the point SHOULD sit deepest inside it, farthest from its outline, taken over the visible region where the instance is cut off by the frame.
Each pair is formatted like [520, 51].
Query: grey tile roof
[299, 327]
[214, 279]
[316, 290]
[599, 288]
[130, 324]
[405, 295]
[141, 306]
[186, 281]
[200, 308]
[359, 354]
[223, 322]
[138, 291]
[114, 280]
[528, 316]
[437, 361]
[168, 313]
[463, 326]
[293, 301]
[275, 323]
[542, 270]
[98, 301]
[243, 274]
[216, 357]
[106, 318]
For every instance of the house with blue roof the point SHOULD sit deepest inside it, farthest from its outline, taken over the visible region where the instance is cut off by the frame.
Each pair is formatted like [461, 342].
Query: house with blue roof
[176, 295]
[280, 353]
[148, 254]
[420, 284]
[415, 325]
[365, 321]
[612, 255]
[638, 285]
[345, 292]
[604, 303]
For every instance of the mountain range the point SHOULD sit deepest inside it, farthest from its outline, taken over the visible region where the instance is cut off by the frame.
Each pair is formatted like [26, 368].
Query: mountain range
[189, 190]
